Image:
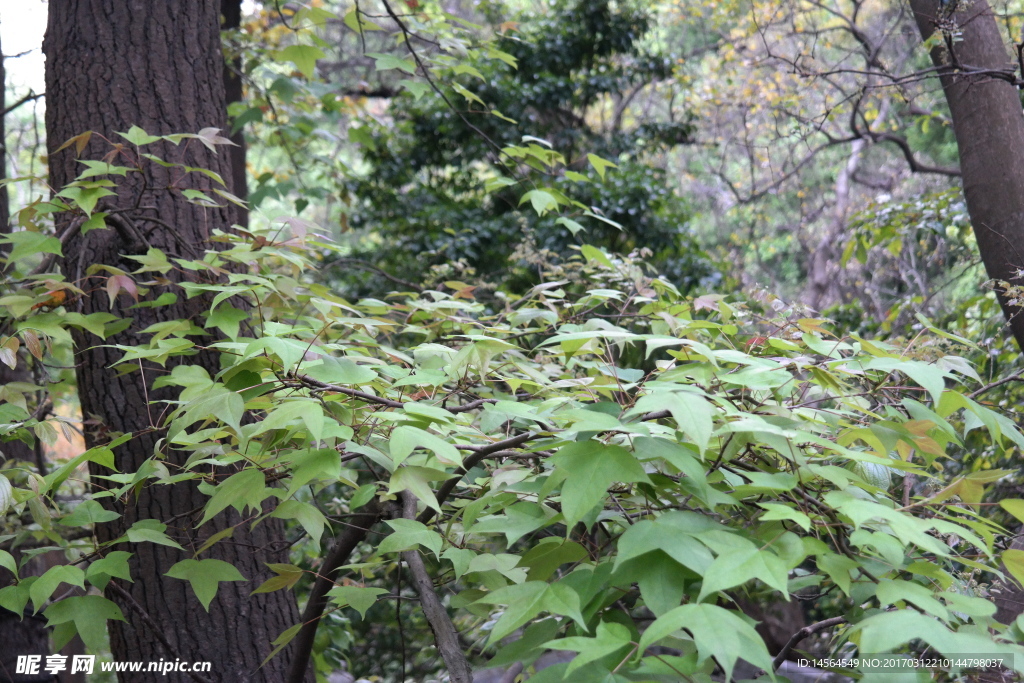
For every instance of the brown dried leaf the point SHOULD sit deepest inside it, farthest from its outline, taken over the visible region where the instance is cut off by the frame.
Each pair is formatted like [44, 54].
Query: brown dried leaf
[32, 343]
[79, 141]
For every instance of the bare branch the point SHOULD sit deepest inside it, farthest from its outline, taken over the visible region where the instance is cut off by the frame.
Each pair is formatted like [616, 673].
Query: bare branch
[27, 98]
[344, 545]
[1012, 378]
[806, 631]
[445, 635]
[908, 154]
[359, 263]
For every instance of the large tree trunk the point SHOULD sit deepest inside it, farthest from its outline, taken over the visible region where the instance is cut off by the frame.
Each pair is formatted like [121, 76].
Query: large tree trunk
[989, 128]
[112, 64]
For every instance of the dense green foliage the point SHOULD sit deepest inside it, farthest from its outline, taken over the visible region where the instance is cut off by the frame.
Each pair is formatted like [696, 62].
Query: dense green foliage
[603, 461]
[590, 451]
[566, 76]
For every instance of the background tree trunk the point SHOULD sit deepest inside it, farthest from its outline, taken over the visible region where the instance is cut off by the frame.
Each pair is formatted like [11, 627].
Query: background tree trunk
[28, 635]
[231, 15]
[5, 200]
[989, 128]
[112, 64]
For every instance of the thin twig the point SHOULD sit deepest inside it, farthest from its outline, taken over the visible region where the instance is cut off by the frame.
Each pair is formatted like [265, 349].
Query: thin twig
[27, 98]
[433, 86]
[359, 263]
[1015, 376]
[65, 237]
[171, 230]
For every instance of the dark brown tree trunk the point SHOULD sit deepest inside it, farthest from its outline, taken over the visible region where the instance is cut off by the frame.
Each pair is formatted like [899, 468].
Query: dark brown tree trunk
[112, 64]
[989, 129]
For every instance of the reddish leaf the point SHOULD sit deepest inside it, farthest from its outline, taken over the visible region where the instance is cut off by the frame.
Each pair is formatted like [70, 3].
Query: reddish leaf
[117, 283]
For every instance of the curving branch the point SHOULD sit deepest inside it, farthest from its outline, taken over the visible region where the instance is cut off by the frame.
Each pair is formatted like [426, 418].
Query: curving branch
[479, 454]
[359, 263]
[1017, 376]
[908, 154]
[445, 635]
[343, 547]
[806, 631]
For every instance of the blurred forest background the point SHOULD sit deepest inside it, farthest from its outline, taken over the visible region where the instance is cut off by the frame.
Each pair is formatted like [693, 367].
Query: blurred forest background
[799, 150]
[795, 152]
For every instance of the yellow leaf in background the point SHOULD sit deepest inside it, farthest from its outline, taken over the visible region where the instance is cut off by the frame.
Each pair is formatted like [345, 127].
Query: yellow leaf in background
[53, 299]
[1013, 560]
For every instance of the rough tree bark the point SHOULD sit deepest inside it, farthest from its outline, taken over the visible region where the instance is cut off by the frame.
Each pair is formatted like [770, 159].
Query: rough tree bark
[989, 128]
[112, 64]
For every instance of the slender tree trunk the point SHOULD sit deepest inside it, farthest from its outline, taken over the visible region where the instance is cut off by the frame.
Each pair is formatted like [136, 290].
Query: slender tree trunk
[822, 275]
[231, 15]
[989, 129]
[5, 200]
[22, 634]
[112, 64]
